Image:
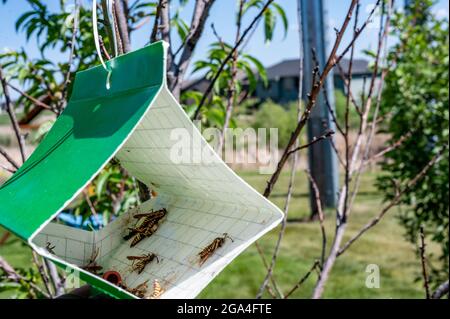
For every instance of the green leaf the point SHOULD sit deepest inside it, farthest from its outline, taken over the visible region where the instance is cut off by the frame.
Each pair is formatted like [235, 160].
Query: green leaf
[259, 67]
[283, 16]
[101, 183]
[269, 24]
[22, 19]
[251, 4]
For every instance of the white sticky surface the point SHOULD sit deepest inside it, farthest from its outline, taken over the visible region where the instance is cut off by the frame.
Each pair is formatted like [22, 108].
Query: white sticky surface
[203, 200]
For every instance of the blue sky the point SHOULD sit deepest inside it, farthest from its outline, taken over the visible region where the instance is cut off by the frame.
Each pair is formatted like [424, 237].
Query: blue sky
[222, 15]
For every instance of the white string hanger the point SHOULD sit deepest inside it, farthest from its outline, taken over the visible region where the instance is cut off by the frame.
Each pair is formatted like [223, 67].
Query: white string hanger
[96, 36]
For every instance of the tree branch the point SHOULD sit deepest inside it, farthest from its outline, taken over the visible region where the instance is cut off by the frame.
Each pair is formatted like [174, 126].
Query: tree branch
[426, 283]
[266, 266]
[201, 13]
[316, 71]
[122, 26]
[311, 102]
[43, 273]
[232, 82]
[392, 147]
[324, 136]
[10, 170]
[165, 23]
[9, 158]
[320, 214]
[153, 36]
[103, 48]
[343, 208]
[393, 202]
[441, 291]
[349, 91]
[302, 280]
[382, 35]
[29, 97]
[228, 57]
[333, 145]
[12, 116]
[71, 54]
[16, 277]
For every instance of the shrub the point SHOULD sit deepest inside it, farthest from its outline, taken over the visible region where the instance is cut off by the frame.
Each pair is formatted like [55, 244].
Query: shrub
[272, 115]
[416, 96]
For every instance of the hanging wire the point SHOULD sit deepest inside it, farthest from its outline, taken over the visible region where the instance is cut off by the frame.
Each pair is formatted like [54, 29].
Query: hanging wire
[97, 40]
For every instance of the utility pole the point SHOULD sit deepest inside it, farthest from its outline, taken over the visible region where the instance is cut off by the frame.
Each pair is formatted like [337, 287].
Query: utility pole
[322, 158]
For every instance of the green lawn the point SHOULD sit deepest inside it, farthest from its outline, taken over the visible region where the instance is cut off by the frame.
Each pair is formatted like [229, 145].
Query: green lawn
[384, 245]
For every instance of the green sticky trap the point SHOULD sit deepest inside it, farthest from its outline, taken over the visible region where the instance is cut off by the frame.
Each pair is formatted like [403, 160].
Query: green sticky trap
[135, 120]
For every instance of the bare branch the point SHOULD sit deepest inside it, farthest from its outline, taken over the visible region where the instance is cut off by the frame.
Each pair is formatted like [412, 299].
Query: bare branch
[56, 280]
[165, 36]
[228, 57]
[201, 13]
[232, 82]
[29, 97]
[90, 204]
[311, 102]
[426, 282]
[349, 91]
[12, 116]
[320, 214]
[219, 38]
[346, 121]
[122, 26]
[266, 266]
[441, 291]
[382, 35]
[103, 48]
[294, 162]
[16, 277]
[394, 201]
[302, 280]
[165, 24]
[71, 54]
[140, 24]
[43, 273]
[333, 145]
[343, 207]
[390, 148]
[325, 93]
[324, 136]
[156, 24]
[367, 107]
[10, 170]
[9, 158]
[357, 33]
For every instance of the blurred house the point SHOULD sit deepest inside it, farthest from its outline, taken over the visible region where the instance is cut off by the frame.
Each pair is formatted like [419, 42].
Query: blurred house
[283, 79]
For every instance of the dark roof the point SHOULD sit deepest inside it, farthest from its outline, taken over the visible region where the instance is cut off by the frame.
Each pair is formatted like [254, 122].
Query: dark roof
[286, 68]
[290, 68]
[201, 84]
[359, 67]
